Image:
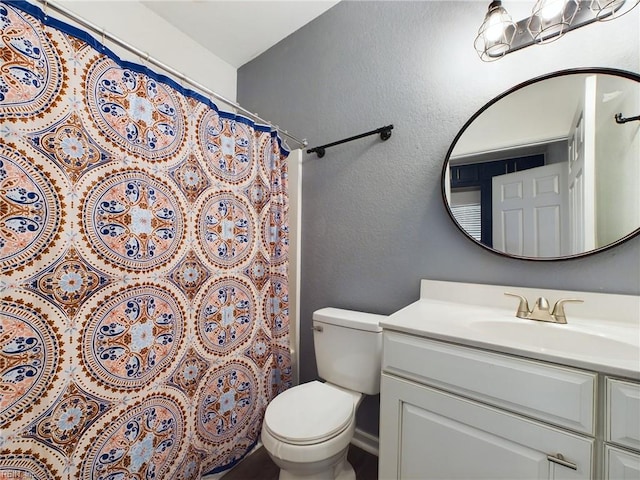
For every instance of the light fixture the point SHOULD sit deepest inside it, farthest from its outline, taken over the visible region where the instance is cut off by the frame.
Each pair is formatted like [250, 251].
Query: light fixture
[550, 19]
[610, 9]
[496, 33]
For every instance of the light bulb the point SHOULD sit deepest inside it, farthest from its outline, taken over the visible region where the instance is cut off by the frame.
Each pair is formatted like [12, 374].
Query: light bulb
[552, 8]
[495, 34]
[495, 28]
[551, 19]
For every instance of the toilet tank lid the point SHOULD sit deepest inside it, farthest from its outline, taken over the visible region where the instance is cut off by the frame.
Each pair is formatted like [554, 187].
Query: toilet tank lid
[349, 318]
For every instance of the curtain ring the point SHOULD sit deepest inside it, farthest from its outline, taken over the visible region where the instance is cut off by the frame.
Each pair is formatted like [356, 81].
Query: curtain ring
[144, 60]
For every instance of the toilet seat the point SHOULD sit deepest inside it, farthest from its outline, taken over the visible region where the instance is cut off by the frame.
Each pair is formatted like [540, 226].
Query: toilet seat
[309, 414]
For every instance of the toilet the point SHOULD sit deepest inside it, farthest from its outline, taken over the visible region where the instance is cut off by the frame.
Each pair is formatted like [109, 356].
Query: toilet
[307, 429]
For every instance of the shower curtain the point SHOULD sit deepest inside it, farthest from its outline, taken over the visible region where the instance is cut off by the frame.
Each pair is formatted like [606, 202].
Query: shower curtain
[143, 265]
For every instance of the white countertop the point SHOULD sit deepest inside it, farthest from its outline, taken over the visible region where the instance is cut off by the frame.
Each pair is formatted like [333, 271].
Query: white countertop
[602, 335]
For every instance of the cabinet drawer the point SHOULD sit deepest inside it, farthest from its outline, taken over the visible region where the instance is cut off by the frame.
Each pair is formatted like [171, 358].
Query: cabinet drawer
[554, 394]
[621, 465]
[623, 413]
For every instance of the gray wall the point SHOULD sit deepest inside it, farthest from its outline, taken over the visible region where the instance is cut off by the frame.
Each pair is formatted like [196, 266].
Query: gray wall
[373, 222]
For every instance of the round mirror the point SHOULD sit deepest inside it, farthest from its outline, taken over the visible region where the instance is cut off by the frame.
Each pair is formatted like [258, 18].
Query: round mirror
[550, 169]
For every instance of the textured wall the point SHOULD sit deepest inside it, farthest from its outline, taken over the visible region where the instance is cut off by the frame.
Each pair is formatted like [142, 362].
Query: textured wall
[373, 222]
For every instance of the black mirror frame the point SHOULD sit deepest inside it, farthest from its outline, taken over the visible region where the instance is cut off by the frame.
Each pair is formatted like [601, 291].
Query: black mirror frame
[559, 73]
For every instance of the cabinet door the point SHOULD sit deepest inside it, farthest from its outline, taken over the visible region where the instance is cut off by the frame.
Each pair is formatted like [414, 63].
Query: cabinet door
[621, 465]
[429, 434]
[623, 413]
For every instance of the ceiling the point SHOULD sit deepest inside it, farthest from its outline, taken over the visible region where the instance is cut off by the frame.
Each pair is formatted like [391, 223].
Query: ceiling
[247, 28]
[539, 112]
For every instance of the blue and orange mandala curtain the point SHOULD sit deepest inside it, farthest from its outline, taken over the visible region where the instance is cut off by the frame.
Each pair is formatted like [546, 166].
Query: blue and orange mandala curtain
[143, 265]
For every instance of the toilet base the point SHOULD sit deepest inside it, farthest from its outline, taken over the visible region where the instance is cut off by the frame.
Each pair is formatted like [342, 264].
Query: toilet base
[334, 468]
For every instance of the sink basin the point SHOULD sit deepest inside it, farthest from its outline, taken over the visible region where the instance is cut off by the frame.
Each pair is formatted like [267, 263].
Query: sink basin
[558, 338]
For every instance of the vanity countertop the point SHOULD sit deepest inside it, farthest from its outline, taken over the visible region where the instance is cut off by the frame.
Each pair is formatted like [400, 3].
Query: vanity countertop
[602, 334]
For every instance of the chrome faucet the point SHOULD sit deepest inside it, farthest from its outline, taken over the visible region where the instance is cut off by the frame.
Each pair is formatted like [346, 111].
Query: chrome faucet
[541, 311]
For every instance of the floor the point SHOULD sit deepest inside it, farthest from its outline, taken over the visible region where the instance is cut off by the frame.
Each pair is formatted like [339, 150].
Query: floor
[258, 466]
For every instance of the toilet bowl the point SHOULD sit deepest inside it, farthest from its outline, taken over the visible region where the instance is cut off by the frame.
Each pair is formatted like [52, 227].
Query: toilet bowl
[307, 429]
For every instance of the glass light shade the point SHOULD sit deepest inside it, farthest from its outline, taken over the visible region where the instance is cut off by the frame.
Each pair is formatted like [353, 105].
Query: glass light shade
[496, 33]
[610, 9]
[550, 19]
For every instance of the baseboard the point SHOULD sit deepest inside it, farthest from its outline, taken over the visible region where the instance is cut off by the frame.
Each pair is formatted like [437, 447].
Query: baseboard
[366, 441]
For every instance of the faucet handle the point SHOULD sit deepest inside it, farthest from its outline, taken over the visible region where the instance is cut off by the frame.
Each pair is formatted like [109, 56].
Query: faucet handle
[558, 308]
[523, 307]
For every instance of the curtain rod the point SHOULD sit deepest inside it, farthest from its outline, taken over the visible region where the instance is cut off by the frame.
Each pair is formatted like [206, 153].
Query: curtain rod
[145, 55]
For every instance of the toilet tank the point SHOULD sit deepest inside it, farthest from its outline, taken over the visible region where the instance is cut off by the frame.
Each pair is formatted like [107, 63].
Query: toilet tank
[348, 347]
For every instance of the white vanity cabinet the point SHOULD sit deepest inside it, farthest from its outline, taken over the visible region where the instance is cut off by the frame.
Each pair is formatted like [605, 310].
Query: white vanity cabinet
[453, 412]
[469, 391]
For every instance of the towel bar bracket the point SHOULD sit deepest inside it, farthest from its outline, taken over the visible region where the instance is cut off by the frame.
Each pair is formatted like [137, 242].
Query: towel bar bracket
[620, 119]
